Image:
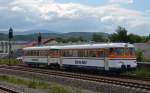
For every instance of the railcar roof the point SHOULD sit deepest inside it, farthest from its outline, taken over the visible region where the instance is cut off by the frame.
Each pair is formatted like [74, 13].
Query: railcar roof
[81, 46]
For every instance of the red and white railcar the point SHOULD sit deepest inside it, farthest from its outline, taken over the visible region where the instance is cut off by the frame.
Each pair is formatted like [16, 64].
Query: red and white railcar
[106, 56]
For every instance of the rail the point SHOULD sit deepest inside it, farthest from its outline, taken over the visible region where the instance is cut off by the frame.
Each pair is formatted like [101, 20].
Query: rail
[7, 90]
[144, 64]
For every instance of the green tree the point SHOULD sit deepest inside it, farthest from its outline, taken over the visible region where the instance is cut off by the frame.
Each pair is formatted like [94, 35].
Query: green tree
[80, 38]
[120, 35]
[132, 38]
[59, 39]
[147, 38]
[70, 39]
[98, 38]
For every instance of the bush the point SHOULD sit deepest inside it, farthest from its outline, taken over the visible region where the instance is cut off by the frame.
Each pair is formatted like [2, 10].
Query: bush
[139, 72]
[139, 55]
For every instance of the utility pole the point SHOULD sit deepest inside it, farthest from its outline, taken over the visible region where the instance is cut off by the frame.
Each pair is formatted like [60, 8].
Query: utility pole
[39, 39]
[10, 36]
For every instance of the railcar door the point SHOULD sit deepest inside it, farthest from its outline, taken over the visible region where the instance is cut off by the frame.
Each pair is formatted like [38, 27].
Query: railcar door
[106, 63]
[54, 57]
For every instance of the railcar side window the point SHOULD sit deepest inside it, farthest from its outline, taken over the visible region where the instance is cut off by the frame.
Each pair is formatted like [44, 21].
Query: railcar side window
[25, 53]
[31, 53]
[82, 53]
[111, 51]
[92, 53]
[54, 53]
[64, 53]
[40, 53]
[35, 53]
[85, 53]
[75, 53]
[100, 54]
[70, 54]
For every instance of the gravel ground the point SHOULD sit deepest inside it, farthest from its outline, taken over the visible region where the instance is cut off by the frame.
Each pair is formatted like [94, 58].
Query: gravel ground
[25, 89]
[20, 88]
[83, 84]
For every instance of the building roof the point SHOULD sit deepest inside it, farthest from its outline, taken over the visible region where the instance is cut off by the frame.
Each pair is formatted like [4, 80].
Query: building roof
[144, 47]
[44, 41]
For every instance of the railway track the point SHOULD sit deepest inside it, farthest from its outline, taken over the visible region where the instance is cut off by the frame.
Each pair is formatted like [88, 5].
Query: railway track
[144, 64]
[100, 79]
[6, 90]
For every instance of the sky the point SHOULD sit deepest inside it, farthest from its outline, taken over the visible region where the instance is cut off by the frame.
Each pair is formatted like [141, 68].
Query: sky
[76, 15]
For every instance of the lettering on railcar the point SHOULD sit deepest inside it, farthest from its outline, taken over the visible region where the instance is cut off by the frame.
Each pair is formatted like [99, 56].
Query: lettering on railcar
[34, 59]
[80, 62]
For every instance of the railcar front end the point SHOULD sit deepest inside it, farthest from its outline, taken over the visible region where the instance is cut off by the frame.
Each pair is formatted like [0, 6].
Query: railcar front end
[122, 59]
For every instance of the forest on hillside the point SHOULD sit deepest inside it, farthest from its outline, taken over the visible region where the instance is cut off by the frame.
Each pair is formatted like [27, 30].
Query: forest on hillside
[120, 35]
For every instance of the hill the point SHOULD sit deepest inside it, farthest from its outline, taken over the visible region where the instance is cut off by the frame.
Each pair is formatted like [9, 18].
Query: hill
[29, 37]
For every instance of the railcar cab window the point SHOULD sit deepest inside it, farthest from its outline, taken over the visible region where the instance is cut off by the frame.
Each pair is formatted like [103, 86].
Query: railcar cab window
[119, 51]
[122, 51]
[116, 51]
[130, 51]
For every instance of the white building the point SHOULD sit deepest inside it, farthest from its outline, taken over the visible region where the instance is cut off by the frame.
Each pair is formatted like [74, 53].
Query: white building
[4, 48]
[16, 46]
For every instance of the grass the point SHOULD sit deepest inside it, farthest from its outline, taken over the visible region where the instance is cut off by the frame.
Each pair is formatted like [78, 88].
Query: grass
[6, 62]
[53, 87]
[59, 89]
[139, 72]
[29, 83]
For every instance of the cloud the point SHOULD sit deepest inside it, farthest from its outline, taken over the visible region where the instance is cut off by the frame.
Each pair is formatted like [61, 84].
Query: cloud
[121, 1]
[65, 17]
